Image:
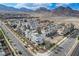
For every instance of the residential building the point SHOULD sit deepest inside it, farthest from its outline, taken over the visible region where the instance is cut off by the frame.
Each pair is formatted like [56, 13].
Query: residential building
[37, 38]
[65, 29]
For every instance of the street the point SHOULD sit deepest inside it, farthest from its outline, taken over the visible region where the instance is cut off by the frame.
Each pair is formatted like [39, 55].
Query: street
[17, 44]
[65, 47]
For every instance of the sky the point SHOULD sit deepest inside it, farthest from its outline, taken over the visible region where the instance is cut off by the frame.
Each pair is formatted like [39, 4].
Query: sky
[34, 6]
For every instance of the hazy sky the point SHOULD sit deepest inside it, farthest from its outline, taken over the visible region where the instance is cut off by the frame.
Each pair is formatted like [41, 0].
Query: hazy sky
[47, 5]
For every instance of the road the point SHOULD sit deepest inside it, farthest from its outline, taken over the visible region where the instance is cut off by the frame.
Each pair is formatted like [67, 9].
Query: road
[12, 50]
[15, 40]
[76, 51]
[65, 47]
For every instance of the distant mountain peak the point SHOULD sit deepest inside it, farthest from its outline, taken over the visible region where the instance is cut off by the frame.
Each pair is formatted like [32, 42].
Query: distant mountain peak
[62, 11]
[7, 8]
[65, 11]
[42, 9]
[25, 9]
[63, 8]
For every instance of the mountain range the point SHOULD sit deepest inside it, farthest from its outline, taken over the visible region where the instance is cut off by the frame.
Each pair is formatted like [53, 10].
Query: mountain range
[65, 11]
[58, 11]
[7, 8]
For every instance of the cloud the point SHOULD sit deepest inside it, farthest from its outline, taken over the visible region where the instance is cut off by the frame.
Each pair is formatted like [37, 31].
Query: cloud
[32, 5]
[62, 4]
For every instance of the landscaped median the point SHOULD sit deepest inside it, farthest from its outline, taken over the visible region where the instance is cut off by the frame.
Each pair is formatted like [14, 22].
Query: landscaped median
[6, 39]
[1, 35]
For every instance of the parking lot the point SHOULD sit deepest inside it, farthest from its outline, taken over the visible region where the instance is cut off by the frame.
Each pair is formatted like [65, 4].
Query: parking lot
[65, 47]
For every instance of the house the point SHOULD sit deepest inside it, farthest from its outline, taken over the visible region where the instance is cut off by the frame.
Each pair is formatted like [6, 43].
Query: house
[50, 30]
[65, 29]
[15, 23]
[28, 33]
[34, 36]
[33, 22]
[37, 38]
[60, 29]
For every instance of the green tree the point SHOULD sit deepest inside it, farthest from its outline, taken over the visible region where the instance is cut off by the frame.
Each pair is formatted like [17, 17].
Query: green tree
[1, 35]
[78, 37]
